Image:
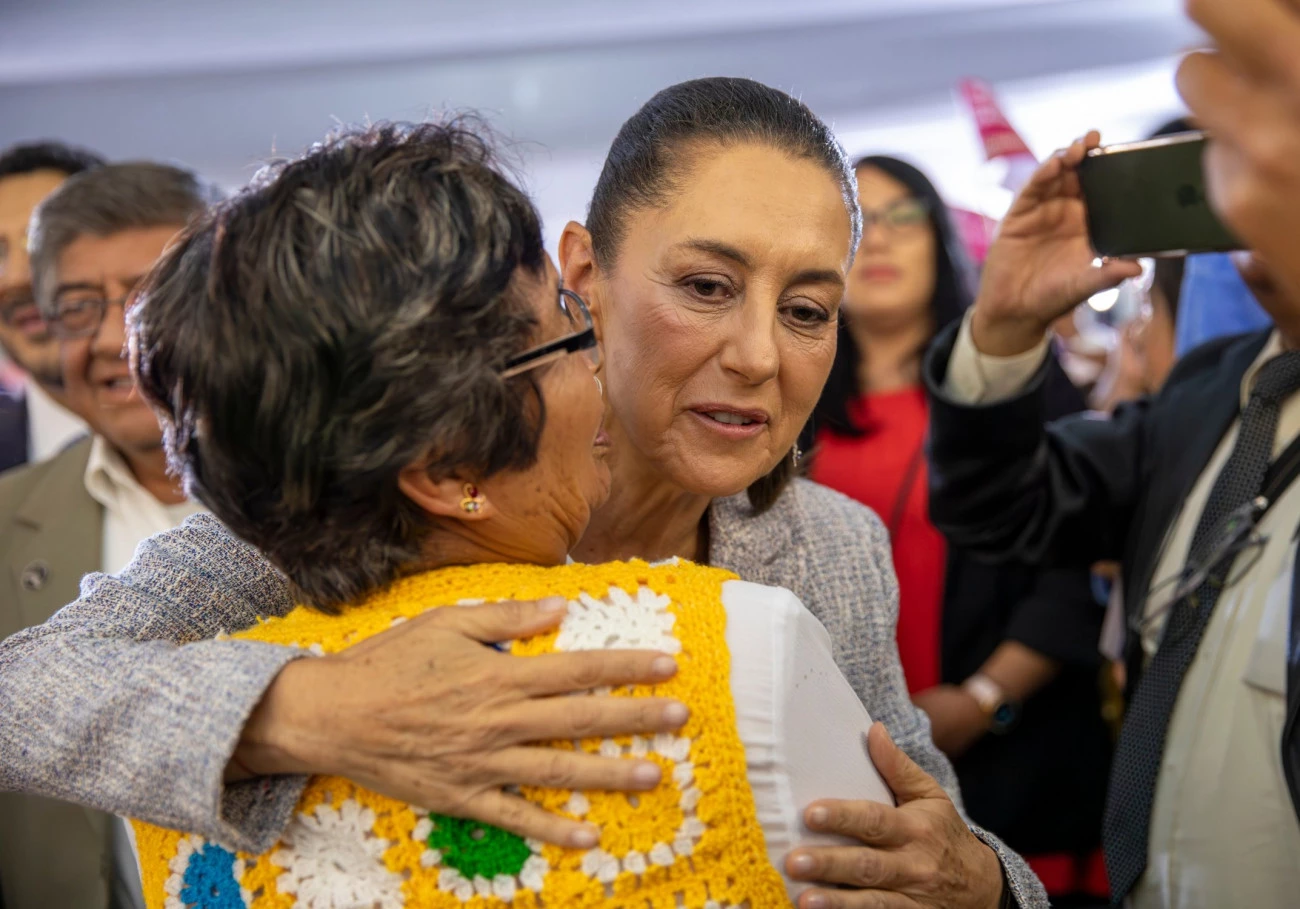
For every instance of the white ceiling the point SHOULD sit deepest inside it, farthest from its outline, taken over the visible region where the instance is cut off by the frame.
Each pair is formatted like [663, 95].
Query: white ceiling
[219, 85]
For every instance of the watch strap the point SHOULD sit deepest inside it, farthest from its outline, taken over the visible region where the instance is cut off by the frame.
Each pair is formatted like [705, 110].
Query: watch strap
[986, 692]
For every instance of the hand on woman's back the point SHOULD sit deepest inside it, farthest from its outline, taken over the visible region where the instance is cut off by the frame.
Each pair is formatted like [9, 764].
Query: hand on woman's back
[462, 728]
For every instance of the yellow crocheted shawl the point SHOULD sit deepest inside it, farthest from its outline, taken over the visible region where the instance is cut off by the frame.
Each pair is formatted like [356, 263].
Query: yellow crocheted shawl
[693, 841]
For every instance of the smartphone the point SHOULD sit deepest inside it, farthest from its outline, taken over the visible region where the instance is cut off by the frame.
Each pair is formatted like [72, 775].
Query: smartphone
[1148, 199]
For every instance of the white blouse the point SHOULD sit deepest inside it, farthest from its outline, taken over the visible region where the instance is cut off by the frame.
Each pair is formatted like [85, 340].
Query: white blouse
[802, 725]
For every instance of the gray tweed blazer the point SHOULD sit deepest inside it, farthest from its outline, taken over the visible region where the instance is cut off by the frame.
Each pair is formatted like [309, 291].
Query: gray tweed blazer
[128, 700]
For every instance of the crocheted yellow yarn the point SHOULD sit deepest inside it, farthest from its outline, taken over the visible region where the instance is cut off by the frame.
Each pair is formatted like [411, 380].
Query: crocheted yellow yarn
[693, 841]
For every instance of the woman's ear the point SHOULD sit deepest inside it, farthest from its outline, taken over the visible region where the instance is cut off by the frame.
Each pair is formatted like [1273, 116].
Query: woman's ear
[578, 269]
[577, 258]
[451, 497]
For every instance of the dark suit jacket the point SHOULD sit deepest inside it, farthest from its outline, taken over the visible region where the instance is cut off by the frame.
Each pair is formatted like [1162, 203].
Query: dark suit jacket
[13, 431]
[1012, 782]
[1084, 490]
[51, 853]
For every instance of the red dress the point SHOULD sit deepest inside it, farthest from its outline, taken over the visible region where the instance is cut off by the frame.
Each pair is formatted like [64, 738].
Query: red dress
[885, 469]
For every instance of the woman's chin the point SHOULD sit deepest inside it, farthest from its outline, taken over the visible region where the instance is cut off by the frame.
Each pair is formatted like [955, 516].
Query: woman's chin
[720, 478]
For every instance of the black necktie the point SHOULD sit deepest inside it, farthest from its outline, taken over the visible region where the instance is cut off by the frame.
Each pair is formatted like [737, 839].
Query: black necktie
[1142, 738]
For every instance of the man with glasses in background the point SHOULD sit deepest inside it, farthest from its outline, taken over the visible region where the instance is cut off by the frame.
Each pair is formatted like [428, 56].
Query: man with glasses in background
[86, 509]
[33, 423]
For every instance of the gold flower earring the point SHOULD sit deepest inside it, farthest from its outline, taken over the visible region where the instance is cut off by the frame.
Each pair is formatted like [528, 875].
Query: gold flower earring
[473, 501]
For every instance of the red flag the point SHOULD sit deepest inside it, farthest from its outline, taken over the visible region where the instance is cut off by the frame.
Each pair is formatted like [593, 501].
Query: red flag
[999, 137]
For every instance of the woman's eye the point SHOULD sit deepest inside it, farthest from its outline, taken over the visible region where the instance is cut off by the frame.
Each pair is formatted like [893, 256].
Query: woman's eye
[808, 315]
[710, 290]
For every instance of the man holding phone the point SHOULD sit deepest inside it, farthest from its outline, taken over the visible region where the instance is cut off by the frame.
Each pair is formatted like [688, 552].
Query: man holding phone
[1196, 491]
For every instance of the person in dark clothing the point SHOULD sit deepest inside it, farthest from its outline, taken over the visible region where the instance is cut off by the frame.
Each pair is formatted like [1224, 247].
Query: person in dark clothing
[1003, 659]
[1193, 492]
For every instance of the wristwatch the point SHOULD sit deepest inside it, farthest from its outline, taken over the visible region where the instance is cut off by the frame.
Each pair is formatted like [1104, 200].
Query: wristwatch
[1002, 711]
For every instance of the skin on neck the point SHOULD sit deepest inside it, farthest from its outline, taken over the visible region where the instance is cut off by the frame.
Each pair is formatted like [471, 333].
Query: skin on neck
[150, 470]
[453, 542]
[647, 516]
[891, 354]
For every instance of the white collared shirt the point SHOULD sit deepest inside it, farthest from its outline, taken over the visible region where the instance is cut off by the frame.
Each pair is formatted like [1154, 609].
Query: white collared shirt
[50, 427]
[131, 515]
[1223, 829]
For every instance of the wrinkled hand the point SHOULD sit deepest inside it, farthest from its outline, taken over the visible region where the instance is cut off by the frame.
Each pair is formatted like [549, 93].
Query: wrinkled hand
[920, 854]
[956, 719]
[427, 714]
[1040, 265]
[1247, 96]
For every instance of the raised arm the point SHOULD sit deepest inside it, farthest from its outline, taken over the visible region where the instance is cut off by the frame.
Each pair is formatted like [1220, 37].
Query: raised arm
[1003, 483]
[1006, 484]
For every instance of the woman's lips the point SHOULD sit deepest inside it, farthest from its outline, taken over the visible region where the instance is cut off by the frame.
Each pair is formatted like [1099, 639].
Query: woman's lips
[730, 423]
[881, 273]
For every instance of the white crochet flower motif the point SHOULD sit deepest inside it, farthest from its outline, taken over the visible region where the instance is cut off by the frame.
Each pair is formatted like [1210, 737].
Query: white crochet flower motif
[619, 622]
[333, 860]
[186, 849]
[605, 867]
[503, 886]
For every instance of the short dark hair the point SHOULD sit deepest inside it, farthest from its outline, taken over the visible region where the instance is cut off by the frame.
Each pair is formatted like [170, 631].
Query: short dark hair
[650, 153]
[47, 155]
[346, 315]
[105, 200]
[952, 295]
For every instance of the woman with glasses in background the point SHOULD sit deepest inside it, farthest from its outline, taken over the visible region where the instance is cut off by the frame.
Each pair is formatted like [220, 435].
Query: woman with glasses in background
[1003, 659]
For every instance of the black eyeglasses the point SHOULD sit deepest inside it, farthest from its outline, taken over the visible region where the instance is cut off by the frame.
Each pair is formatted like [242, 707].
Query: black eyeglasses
[79, 313]
[583, 338]
[897, 217]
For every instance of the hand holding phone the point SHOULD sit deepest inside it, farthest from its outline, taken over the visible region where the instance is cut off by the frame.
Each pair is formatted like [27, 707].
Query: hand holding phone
[1042, 263]
[1148, 199]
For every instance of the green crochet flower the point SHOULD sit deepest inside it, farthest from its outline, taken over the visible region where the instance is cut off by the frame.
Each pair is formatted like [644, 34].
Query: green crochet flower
[476, 849]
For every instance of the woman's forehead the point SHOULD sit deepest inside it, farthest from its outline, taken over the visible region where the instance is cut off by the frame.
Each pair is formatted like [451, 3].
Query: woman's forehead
[755, 199]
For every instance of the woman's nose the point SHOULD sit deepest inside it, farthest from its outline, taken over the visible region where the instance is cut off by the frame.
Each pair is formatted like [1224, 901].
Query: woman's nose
[750, 350]
[874, 234]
